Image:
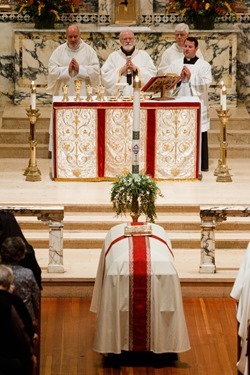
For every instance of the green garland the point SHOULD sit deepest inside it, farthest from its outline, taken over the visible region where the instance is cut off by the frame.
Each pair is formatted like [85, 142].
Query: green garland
[136, 194]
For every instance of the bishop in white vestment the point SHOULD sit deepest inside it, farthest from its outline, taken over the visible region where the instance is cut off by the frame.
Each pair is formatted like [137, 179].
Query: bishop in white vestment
[122, 65]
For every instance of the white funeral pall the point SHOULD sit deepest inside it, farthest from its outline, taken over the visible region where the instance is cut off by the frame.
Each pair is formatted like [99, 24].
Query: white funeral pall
[137, 295]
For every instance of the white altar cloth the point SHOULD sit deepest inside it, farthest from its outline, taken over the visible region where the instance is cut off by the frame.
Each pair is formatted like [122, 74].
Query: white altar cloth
[167, 330]
[241, 293]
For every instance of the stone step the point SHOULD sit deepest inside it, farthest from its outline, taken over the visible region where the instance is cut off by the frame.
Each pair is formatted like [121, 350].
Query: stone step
[93, 239]
[15, 117]
[237, 151]
[105, 222]
[22, 151]
[10, 136]
[234, 137]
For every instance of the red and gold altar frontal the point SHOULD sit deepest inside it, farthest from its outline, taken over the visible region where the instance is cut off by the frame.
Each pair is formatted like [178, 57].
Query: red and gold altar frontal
[93, 140]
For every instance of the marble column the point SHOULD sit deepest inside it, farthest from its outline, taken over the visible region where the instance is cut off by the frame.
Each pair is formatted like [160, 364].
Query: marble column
[55, 247]
[208, 224]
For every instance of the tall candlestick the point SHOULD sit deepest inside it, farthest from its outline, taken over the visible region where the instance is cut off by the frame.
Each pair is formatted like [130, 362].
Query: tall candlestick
[33, 95]
[224, 98]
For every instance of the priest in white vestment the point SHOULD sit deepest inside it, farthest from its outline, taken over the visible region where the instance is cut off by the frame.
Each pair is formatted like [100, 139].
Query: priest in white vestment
[72, 60]
[137, 295]
[196, 77]
[241, 293]
[124, 64]
[175, 51]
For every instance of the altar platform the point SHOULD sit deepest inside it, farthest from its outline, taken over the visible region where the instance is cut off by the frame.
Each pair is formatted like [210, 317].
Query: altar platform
[89, 215]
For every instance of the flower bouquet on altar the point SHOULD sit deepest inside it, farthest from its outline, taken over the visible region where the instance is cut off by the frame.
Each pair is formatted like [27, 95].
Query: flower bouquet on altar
[201, 13]
[136, 195]
[44, 13]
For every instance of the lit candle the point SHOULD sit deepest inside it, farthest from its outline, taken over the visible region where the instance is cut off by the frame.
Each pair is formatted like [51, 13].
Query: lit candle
[136, 126]
[221, 86]
[33, 95]
[224, 98]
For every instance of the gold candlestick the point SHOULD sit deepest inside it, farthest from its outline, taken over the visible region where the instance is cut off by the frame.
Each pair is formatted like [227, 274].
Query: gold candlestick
[65, 94]
[222, 170]
[89, 93]
[100, 93]
[78, 85]
[32, 172]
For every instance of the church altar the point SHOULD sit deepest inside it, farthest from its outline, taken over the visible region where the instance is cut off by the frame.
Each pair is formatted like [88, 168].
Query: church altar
[93, 140]
[137, 295]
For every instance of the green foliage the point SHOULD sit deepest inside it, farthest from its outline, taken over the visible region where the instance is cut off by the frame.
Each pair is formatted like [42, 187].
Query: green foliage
[135, 194]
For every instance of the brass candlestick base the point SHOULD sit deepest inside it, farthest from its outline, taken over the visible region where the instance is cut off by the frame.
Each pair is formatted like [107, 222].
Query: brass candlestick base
[32, 172]
[222, 170]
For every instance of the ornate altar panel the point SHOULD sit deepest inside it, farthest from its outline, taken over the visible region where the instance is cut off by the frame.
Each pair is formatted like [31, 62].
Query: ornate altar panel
[93, 140]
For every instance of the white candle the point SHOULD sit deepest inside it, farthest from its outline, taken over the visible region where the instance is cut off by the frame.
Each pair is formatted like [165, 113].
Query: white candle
[221, 86]
[33, 96]
[136, 102]
[136, 126]
[224, 98]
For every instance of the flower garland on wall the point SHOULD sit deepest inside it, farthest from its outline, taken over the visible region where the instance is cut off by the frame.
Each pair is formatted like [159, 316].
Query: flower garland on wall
[46, 12]
[199, 12]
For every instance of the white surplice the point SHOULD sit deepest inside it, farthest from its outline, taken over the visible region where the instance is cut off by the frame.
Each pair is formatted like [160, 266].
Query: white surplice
[110, 301]
[197, 85]
[241, 293]
[58, 73]
[110, 71]
[58, 68]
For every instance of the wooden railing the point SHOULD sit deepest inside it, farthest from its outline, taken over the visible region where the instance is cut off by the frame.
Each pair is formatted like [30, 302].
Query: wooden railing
[210, 218]
[53, 217]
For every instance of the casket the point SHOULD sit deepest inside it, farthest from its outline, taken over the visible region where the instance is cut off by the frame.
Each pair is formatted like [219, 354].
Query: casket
[137, 295]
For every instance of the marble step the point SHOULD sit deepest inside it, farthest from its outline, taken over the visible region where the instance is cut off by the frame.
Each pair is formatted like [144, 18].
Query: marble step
[15, 117]
[234, 137]
[93, 239]
[104, 222]
[236, 151]
[22, 151]
[21, 137]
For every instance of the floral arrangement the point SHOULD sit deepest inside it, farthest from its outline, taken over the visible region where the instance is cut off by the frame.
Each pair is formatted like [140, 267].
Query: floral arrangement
[43, 8]
[206, 8]
[136, 194]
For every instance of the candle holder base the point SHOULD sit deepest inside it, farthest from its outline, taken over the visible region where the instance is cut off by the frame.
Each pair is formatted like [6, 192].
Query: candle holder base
[33, 174]
[224, 175]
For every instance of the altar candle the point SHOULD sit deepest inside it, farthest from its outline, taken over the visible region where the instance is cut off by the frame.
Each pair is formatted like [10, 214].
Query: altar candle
[221, 86]
[33, 95]
[136, 126]
[224, 98]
